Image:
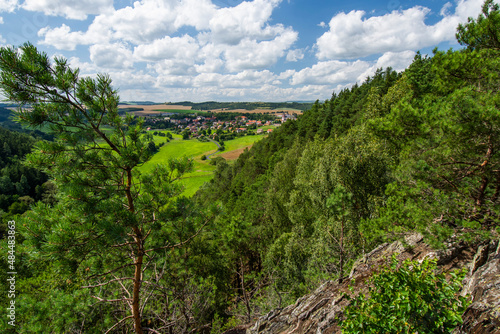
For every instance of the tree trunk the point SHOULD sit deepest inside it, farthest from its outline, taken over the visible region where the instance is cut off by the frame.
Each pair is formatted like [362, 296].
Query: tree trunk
[341, 276]
[245, 296]
[136, 313]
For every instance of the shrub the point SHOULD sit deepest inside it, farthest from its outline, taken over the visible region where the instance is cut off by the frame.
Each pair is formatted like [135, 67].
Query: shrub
[410, 298]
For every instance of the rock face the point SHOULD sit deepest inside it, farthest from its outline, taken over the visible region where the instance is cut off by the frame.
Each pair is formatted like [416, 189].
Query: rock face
[320, 311]
[483, 315]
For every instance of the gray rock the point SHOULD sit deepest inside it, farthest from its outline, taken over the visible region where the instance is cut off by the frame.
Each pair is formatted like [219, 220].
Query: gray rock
[320, 311]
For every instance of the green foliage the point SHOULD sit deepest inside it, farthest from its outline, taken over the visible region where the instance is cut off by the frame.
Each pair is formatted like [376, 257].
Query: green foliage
[109, 218]
[445, 142]
[417, 150]
[16, 179]
[408, 298]
[482, 33]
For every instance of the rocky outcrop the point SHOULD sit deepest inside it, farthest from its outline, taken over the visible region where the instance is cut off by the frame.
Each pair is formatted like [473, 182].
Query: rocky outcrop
[320, 311]
[483, 315]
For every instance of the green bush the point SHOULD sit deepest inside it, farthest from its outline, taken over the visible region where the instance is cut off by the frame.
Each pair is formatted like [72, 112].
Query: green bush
[410, 298]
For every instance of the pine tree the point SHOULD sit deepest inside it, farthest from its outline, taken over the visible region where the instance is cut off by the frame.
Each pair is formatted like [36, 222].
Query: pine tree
[109, 225]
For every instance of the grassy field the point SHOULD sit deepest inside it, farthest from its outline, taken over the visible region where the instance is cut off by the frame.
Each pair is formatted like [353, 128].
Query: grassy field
[202, 169]
[240, 142]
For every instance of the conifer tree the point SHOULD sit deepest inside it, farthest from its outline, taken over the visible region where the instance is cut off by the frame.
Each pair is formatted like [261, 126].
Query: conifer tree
[109, 225]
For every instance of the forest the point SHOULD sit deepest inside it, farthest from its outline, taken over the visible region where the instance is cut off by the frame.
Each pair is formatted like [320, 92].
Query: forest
[102, 248]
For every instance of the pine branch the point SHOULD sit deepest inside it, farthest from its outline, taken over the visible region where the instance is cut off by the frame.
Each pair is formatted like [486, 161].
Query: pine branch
[119, 322]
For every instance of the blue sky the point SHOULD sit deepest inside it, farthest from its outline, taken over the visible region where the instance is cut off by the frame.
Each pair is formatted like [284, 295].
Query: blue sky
[233, 50]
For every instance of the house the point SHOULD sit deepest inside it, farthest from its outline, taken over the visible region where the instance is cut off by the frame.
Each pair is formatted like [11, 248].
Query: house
[269, 130]
[286, 116]
[259, 131]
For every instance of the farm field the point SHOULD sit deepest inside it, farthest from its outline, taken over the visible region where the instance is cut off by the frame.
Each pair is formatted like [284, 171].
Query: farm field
[202, 169]
[154, 109]
[181, 111]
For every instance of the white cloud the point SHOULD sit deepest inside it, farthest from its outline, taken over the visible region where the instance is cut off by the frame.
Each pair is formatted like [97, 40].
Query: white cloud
[287, 74]
[335, 73]
[132, 80]
[330, 72]
[8, 5]
[295, 55]
[194, 50]
[229, 39]
[111, 56]
[71, 9]
[445, 9]
[168, 48]
[210, 65]
[247, 20]
[175, 67]
[148, 20]
[62, 38]
[250, 54]
[398, 61]
[352, 35]
[86, 69]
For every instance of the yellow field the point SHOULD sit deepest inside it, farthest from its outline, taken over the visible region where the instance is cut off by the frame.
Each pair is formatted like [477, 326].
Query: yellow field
[153, 109]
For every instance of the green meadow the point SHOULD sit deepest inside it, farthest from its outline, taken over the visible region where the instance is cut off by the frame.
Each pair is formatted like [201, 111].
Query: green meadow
[194, 149]
[238, 143]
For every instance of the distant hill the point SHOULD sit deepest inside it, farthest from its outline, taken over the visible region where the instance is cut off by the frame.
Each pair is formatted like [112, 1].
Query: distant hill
[7, 123]
[210, 105]
[139, 102]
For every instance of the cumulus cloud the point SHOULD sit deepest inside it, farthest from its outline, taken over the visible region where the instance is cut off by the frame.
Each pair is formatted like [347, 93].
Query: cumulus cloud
[62, 38]
[71, 9]
[194, 50]
[250, 54]
[8, 5]
[247, 20]
[295, 55]
[111, 56]
[330, 72]
[352, 35]
[336, 73]
[445, 9]
[228, 39]
[168, 48]
[174, 67]
[148, 20]
[398, 61]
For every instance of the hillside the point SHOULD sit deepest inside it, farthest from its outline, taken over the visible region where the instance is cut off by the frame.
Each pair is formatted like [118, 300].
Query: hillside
[403, 163]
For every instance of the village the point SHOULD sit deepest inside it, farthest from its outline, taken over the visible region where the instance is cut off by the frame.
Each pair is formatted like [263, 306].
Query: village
[195, 126]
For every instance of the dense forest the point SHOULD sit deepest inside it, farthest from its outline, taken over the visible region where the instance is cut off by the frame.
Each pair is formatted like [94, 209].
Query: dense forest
[119, 252]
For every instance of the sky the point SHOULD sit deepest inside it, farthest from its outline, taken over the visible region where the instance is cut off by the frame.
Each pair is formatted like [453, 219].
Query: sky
[233, 50]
